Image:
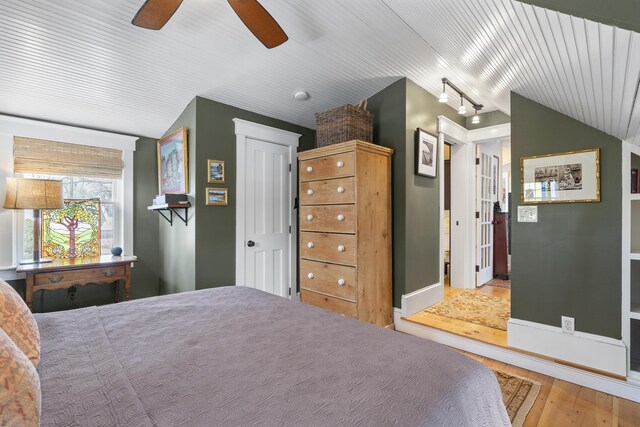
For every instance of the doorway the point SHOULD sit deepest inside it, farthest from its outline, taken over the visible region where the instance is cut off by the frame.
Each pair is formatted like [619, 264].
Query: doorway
[265, 221]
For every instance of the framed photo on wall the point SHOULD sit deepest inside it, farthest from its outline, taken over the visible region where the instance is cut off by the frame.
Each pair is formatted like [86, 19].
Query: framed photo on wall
[215, 169]
[426, 153]
[216, 197]
[561, 178]
[173, 168]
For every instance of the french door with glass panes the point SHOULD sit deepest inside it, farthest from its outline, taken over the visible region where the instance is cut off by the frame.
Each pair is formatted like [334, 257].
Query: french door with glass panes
[484, 215]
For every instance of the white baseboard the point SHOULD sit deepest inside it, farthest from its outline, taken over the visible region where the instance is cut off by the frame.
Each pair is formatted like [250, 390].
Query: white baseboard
[594, 351]
[421, 299]
[626, 390]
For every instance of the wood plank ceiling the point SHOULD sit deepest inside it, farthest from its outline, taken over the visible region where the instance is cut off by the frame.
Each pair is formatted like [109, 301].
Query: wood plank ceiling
[82, 62]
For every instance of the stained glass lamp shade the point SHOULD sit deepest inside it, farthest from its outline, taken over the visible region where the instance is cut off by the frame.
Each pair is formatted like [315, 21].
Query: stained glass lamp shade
[36, 194]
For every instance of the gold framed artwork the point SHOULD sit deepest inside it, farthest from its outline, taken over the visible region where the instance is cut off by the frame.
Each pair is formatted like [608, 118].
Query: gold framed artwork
[173, 168]
[216, 196]
[569, 177]
[215, 169]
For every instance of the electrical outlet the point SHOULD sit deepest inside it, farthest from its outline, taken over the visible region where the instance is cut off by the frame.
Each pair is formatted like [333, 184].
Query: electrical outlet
[568, 325]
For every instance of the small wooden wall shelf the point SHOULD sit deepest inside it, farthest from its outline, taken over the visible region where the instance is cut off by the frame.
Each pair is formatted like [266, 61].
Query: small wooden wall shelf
[172, 208]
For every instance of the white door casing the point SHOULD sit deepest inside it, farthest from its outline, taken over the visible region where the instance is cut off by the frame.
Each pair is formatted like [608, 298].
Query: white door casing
[266, 188]
[484, 215]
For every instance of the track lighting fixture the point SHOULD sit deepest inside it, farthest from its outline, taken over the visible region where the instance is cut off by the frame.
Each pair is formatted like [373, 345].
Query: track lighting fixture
[476, 118]
[443, 96]
[462, 109]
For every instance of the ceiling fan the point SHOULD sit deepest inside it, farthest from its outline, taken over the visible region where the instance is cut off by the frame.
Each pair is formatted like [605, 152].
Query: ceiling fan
[155, 13]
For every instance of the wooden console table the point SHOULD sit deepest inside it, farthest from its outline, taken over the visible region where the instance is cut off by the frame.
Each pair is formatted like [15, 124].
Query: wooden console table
[65, 273]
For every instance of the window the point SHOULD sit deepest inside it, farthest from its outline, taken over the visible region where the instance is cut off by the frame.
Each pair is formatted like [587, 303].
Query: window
[74, 187]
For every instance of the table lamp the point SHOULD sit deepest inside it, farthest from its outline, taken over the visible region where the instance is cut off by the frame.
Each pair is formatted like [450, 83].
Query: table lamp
[36, 194]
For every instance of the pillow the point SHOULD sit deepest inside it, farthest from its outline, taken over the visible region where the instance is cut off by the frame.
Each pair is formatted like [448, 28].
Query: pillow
[20, 399]
[18, 322]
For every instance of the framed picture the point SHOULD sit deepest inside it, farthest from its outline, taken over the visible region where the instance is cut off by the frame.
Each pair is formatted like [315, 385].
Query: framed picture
[561, 178]
[216, 196]
[426, 153]
[215, 169]
[173, 168]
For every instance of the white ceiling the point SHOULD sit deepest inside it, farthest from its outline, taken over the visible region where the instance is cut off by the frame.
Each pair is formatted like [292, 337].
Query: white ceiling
[82, 62]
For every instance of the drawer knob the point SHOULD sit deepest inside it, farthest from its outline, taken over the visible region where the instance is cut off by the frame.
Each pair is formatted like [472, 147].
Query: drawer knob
[340, 248]
[310, 275]
[309, 217]
[340, 217]
[341, 282]
[340, 189]
[56, 278]
[309, 169]
[310, 192]
[340, 163]
[109, 272]
[310, 245]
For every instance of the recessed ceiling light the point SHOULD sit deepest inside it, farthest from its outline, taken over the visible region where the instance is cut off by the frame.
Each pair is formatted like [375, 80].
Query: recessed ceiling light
[301, 95]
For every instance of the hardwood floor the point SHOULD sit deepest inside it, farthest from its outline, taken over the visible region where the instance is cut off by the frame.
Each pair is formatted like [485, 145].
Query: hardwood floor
[561, 403]
[460, 327]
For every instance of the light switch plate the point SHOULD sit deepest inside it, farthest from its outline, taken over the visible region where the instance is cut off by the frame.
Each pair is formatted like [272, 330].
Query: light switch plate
[527, 214]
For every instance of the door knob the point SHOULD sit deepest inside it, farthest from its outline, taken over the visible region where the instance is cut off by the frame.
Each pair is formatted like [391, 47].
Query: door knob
[340, 189]
[251, 243]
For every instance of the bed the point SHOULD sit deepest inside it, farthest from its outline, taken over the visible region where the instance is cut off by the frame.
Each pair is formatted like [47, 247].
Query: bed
[238, 356]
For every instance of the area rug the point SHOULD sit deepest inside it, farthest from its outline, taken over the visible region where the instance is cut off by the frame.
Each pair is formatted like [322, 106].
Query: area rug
[474, 307]
[518, 394]
[499, 283]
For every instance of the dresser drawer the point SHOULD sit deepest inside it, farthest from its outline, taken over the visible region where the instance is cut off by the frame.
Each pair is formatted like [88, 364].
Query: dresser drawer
[334, 280]
[336, 305]
[99, 275]
[333, 218]
[335, 166]
[334, 248]
[328, 192]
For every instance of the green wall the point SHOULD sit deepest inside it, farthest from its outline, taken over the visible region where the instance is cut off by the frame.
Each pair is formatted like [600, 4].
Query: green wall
[216, 225]
[177, 250]
[567, 264]
[145, 276]
[492, 118]
[399, 110]
[618, 13]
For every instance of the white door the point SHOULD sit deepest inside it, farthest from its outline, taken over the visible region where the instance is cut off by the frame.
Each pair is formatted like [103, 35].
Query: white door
[484, 216]
[267, 217]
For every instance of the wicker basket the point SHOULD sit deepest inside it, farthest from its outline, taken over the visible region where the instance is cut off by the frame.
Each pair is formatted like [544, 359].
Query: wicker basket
[344, 124]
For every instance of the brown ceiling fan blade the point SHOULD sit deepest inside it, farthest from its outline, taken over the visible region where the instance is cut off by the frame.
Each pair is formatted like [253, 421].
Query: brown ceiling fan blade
[155, 13]
[259, 22]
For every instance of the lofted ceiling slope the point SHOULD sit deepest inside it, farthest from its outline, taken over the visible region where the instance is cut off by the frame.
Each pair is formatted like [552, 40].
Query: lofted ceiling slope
[82, 62]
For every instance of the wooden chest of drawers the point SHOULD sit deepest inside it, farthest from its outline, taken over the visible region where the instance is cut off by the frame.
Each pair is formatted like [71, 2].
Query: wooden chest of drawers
[345, 230]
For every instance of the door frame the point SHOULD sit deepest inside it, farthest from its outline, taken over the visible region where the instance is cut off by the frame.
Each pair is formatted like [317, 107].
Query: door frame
[249, 130]
[465, 243]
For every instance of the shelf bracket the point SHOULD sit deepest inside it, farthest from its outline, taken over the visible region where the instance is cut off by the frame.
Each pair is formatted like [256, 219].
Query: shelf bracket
[171, 211]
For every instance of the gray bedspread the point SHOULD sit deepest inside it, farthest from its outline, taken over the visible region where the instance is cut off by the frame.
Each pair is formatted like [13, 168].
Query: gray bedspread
[236, 356]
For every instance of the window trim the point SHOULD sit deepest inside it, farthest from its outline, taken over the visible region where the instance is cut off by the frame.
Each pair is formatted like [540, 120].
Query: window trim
[18, 126]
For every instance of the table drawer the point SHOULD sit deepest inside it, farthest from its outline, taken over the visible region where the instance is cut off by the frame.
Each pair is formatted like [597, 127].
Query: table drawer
[333, 218]
[334, 248]
[99, 275]
[328, 192]
[330, 279]
[336, 305]
[335, 166]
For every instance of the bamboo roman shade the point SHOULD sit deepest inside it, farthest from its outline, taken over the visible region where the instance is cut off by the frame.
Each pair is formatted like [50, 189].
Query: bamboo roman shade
[60, 158]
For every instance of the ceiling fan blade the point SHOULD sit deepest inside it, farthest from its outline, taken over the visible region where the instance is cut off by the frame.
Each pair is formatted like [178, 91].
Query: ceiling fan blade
[259, 22]
[155, 13]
